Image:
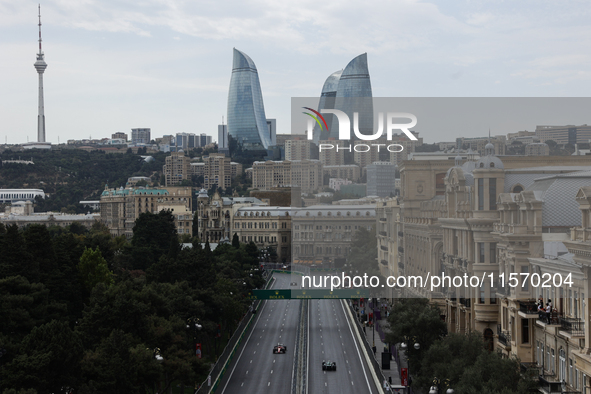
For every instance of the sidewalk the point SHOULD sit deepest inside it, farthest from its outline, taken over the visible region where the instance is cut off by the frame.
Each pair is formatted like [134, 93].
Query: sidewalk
[376, 336]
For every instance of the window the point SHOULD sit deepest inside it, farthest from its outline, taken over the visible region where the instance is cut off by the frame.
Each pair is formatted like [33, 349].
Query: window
[493, 252]
[482, 294]
[481, 194]
[481, 252]
[492, 194]
[562, 365]
[525, 283]
[570, 372]
[524, 330]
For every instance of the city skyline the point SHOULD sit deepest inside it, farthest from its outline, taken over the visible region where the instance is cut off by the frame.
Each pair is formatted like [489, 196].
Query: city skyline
[115, 67]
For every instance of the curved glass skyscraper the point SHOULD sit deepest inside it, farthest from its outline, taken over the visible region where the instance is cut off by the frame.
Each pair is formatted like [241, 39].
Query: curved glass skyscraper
[246, 112]
[327, 101]
[348, 90]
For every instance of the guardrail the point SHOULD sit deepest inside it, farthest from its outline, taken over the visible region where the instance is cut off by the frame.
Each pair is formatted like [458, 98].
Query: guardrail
[364, 342]
[300, 373]
[217, 371]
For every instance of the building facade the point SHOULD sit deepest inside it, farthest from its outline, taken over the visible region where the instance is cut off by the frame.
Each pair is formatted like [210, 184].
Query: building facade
[140, 136]
[217, 171]
[322, 234]
[121, 207]
[177, 168]
[297, 149]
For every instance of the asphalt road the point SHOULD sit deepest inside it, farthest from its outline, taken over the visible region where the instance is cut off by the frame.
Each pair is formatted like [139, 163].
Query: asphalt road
[331, 338]
[256, 369]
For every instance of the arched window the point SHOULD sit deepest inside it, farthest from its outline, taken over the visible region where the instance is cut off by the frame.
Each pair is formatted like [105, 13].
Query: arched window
[517, 189]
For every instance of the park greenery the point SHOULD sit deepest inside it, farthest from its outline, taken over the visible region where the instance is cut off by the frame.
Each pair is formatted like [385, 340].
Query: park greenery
[82, 310]
[463, 361]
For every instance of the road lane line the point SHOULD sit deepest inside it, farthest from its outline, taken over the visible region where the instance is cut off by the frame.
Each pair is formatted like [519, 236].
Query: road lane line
[245, 343]
[357, 348]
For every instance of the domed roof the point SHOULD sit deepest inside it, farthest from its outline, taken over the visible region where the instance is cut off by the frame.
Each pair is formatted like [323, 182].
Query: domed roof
[489, 146]
[469, 166]
[488, 162]
[202, 193]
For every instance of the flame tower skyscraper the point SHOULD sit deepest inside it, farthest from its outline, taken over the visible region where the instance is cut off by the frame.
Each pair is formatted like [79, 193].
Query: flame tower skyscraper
[40, 66]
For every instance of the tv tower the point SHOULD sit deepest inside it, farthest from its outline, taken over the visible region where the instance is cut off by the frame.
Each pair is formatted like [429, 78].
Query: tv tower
[40, 66]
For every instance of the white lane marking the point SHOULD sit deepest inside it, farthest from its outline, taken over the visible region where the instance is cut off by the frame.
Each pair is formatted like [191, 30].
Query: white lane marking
[271, 371]
[268, 384]
[242, 384]
[247, 372]
[357, 348]
[255, 352]
[273, 361]
[240, 355]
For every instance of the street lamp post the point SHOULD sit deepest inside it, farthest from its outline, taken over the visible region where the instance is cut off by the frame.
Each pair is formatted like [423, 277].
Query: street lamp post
[194, 326]
[404, 346]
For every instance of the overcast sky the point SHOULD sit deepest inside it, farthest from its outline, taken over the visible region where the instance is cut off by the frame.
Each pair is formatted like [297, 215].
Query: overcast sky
[114, 65]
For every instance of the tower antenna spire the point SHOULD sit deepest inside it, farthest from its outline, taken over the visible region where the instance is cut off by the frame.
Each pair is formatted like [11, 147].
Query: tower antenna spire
[40, 51]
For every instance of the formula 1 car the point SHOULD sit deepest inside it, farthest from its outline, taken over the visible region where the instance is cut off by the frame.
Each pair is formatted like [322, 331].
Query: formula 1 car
[329, 366]
[280, 348]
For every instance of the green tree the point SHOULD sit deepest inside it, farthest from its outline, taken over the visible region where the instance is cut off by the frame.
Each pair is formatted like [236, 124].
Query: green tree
[152, 238]
[48, 360]
[415, 320]
[93, 269]
[235, 241]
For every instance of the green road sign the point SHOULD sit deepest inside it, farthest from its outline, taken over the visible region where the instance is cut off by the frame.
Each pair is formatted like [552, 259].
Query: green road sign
[316, 294]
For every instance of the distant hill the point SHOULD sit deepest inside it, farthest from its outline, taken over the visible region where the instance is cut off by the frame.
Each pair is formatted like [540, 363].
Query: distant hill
[72, 175]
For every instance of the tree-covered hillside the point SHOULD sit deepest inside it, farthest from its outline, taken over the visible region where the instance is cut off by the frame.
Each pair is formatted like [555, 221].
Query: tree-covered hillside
[72, 175]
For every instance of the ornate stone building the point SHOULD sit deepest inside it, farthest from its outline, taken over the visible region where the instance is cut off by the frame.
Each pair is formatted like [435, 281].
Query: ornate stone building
[322, 233]
[121, 207]
[503, 216]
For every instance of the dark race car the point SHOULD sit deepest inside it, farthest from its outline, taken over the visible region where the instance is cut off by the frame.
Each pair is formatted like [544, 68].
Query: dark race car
[280, 348]
[329, 366]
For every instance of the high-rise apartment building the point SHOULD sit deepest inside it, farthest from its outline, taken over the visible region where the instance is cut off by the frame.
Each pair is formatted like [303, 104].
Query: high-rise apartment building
[177, 168]
[381, 177]
[298, 149]
[332, 152]
[140, 136]
[217, 171]
[247, 123]
[306, 174]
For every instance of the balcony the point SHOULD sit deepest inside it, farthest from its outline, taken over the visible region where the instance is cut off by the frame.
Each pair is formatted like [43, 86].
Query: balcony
[549, 385]
[384, 248]
[383, 233]
[528, 309]
[580, 234]
[552, 320]
[531, 370]
[383, 220]
[573, 326]
[503, 337]
[383, 262]
[467, 302]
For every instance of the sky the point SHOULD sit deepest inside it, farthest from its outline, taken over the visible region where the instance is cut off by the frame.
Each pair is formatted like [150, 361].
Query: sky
[114, 65]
